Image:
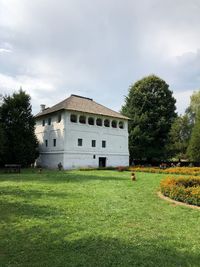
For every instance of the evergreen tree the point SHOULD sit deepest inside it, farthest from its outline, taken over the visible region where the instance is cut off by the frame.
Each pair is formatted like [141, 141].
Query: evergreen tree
[2, 144]
[18, 125]
[179, 137]
[194, 144]
[151, 107]
[194, 107]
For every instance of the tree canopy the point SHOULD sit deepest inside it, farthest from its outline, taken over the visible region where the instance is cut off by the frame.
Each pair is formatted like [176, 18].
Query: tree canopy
[193, 150]
[2, 143]
[179, 137]
[151, 108]
[180, 133]
[18, 126]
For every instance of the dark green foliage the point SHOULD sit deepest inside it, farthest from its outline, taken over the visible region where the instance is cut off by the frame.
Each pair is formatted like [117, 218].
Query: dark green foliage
[2, 143]
[193, 108]
[194, 144]
[179, 137]
[151, 107]
[18, 124]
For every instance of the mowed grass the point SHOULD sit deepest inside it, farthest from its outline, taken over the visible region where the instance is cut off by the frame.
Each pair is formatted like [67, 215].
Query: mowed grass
[93, 218]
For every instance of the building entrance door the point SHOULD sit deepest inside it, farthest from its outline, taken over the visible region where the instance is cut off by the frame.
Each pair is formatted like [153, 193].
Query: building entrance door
[102, 162]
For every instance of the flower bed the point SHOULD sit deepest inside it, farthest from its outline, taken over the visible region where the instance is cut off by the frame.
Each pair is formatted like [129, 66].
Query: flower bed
[184, 189]
[194, 171]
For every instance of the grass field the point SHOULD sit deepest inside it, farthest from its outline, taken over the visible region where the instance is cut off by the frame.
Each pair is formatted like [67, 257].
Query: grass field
[93, 218]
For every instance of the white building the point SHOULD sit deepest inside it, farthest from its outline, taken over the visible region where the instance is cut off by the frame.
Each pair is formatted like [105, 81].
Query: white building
[78, 132]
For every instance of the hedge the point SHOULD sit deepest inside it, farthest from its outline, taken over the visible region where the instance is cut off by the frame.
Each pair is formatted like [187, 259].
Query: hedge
[184, 189]
[194, 171]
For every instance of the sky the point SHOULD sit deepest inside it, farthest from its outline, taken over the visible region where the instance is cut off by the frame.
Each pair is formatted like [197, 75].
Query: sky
[97, 49]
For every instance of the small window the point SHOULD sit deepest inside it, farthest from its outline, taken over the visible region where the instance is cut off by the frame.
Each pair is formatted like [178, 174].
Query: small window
[80, 142]
[43, 123]
[114, 124]
[94, 156]
[59, 118]
[93, 143]
[121, 125]
[46, 143]
[103, 143]
[107, 123]
[49, 121]
[99, 122]
[73, 118]
[82, 119]
[91, 121]
[54, 142]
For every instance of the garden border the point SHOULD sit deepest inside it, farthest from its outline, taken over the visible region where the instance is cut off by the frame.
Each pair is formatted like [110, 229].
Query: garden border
[177, 202]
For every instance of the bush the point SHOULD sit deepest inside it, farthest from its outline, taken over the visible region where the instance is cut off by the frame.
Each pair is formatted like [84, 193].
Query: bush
[122, 168]
[184, 189]
[109, 168]
[194, 171]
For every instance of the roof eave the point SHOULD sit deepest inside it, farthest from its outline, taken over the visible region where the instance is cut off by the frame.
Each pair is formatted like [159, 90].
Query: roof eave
[41, 114]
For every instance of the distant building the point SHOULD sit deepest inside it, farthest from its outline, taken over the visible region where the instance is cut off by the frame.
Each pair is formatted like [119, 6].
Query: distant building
[78, 132]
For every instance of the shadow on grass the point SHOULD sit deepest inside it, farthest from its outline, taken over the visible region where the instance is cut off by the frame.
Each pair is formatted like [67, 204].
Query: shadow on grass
[42, 247]
[16, 202]
[10, 211]
[33, 194]
[63, 176]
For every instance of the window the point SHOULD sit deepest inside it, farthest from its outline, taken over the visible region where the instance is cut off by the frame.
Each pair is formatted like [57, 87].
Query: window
[54, 142]
[91, 121]
[43, 123]
[82, 119]
[93, 143]
[103, 143]
[99, 122]
[59, 118]
[121, 125]
[73, 118]
[49, 121]
[80, 142]
[114, 124]
[94, 156]
[107, 123]
[46, 143]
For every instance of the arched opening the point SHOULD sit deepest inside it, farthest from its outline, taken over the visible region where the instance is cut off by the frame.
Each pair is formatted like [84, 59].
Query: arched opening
[91, 121]
[121, 125]
[99, 122]
[114, 124]
[73, 118]
[82, 119]
[107, 123]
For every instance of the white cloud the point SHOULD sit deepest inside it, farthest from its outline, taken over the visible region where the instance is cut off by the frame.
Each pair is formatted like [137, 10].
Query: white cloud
[4, 50]
[98, 48]
[183, 100]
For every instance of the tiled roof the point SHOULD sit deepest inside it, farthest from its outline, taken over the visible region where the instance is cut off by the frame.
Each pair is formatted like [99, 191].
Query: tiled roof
[82, 104]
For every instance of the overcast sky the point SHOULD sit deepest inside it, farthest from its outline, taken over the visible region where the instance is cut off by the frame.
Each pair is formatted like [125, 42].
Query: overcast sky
[54, 48]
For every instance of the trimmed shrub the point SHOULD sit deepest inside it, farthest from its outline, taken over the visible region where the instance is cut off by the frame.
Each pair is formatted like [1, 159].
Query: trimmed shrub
[122, 168]
[195, 171]
[184, 189]
[109, 168]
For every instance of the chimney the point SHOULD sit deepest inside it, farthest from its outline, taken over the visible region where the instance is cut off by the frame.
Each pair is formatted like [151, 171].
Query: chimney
[42, 107]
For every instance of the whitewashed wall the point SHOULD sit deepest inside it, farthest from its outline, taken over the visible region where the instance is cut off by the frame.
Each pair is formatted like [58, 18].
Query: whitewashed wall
[67, 150]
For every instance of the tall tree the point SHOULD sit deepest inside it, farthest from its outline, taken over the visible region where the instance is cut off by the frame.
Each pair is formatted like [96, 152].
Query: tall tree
[2, 144]
[2, 135]
[179, 137]
[194, 106]
[194, 144]
[18, 124]
[151, 107]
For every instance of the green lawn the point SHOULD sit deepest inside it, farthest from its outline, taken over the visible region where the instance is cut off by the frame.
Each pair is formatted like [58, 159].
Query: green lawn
[93, 218]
